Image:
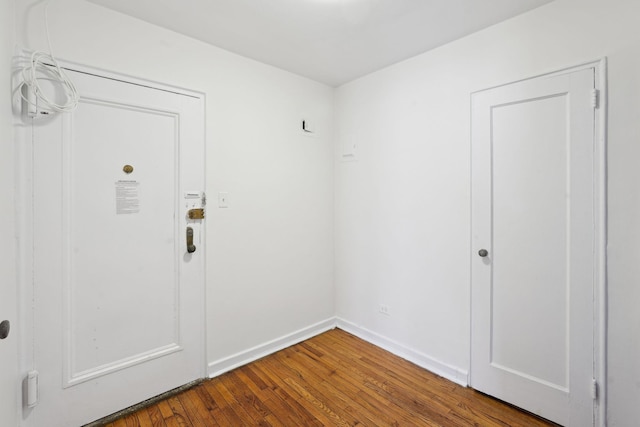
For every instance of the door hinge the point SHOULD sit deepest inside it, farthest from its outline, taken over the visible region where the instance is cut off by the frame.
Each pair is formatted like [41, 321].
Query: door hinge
[594, 389]
[32, 389]
[595, 98]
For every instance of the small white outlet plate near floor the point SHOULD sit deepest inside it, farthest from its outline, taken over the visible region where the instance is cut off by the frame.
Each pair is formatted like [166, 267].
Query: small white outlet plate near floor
[384, 309]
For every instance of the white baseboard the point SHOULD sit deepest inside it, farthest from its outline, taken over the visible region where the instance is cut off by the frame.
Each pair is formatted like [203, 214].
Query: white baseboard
[457, 375]
[221, 366]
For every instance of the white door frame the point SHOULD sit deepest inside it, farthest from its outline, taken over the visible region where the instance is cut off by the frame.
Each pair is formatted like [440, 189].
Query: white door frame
[24, 190]
[600, 220]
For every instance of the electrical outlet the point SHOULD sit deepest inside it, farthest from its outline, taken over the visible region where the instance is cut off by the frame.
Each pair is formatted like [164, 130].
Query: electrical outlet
[384, 309]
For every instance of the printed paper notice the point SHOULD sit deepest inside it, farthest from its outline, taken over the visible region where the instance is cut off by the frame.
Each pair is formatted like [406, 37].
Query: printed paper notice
[127, 197]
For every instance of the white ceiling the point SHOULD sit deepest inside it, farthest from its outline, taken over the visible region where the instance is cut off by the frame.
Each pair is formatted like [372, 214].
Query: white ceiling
[331, 41]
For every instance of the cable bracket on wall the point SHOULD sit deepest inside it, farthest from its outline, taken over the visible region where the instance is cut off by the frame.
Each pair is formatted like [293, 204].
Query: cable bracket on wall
[43, 67]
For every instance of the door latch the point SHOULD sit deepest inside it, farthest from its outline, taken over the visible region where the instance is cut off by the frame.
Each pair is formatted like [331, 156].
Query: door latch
[191, 248]
[196, 213]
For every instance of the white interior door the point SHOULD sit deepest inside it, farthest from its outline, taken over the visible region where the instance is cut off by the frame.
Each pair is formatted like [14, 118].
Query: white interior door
[533, 213]
[118, 301]
[8, 346]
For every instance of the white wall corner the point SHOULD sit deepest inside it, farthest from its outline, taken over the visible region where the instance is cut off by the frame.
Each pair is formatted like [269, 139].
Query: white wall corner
[452, 373]
[219, 367]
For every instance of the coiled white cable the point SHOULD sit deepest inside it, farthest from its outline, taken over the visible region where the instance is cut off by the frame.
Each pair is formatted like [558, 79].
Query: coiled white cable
[43, 66]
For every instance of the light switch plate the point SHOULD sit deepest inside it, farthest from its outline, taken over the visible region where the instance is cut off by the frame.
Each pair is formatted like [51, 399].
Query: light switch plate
[223, 199]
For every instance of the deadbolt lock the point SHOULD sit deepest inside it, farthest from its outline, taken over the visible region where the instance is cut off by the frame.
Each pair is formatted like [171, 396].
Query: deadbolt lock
[196, 213]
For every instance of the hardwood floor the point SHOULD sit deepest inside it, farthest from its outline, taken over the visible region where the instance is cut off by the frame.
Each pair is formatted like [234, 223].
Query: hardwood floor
[334, 379]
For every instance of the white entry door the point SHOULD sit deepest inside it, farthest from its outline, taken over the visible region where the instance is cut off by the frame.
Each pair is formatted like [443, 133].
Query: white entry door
[117, 298]
[533, 242]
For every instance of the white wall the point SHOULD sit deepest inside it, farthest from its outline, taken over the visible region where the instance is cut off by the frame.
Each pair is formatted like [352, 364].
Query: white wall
[270, 254]
[9, 381]
[403, 210]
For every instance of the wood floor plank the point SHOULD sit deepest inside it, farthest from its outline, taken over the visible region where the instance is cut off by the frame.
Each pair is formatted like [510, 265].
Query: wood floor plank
[143, 418]
[179, 413]
[246, 398]
[330, 399]
[156, 416]
[333, 379]
[390, 414]
[191, 410]
[371, 380]
[250, 380]
[286, 388]
[162, 415]
[235, 417]
[211, 406]
[328, 383]
[165, 409]
[282, 403]
[402, 373]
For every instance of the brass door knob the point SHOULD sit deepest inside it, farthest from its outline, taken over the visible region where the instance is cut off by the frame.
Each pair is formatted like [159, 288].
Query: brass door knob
[191, 248]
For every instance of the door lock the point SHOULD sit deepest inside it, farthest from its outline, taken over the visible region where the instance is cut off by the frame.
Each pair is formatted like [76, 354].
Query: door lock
[191, 248]
[196, 213]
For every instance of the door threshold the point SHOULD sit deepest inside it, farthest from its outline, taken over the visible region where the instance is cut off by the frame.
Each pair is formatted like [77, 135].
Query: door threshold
[117, 415]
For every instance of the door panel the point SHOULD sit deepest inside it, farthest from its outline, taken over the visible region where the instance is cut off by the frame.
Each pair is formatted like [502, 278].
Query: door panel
[533, 210]
[118, 301]
[530, 201]
[140, 244]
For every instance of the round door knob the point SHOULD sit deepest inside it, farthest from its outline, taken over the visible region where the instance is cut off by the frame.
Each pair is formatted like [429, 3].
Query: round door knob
[483, 253]
[5, 326]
